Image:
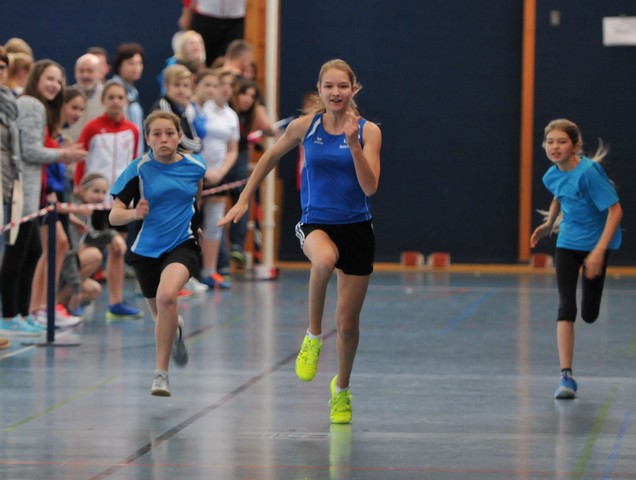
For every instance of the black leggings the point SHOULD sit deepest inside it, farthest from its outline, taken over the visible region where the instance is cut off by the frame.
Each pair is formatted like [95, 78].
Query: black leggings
[18, 267]
[568, 264]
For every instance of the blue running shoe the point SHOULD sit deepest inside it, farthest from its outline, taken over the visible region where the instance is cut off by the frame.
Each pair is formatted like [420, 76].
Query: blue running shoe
[118, 311]
[19, 328]
[216, 281]
[32, 321]
[567, 388]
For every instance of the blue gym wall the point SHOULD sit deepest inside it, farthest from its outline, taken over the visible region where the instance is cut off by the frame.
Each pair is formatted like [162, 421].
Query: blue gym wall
[580, 79]
[443, 80]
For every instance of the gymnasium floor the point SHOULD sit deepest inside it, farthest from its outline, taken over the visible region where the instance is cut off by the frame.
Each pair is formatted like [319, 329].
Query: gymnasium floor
[454, 379]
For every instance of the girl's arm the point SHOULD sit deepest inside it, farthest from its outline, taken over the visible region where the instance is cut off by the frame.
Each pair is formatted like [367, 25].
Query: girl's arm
[120, 214]
[32, 124]
[365, 159]
[293, 136]
[263, 122]
[546, 227]
[595, 259]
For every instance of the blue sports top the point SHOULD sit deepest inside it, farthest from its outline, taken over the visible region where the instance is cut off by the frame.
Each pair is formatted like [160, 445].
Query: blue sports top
[585, 194]
[330, 192]
[170, 189]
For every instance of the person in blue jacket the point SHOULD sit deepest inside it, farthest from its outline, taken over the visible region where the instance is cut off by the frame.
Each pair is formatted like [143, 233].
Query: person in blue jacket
[163, 186]
[341, 172]
[589, 227]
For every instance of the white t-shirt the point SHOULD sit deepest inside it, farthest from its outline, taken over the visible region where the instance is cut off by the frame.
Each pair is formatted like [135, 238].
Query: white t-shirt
[222, 127]
[220, 8]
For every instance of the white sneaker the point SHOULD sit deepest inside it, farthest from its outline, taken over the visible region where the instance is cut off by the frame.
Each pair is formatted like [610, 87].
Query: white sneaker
[195, 286]
[62, 318]
[160, 384]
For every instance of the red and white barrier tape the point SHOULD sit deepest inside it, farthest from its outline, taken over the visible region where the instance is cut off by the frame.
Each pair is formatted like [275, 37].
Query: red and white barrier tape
[67, 207]
[39, 213]
[257, 134]
[224, 187]
[74, 207]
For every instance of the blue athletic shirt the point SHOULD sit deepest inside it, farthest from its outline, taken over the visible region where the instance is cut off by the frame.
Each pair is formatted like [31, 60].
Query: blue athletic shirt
[330, 192]
[170, 190]
[585, 194]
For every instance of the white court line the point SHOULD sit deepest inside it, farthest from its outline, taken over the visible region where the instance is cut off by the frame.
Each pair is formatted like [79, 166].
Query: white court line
[13, 353]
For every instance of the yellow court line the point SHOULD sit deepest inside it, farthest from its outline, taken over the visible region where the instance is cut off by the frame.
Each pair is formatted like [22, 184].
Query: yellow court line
[55, 406]
[591, 439]
[631, 350]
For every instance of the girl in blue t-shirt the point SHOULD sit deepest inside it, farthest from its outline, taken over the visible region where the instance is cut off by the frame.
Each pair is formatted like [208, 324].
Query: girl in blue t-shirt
[588, 229]
[163, 185]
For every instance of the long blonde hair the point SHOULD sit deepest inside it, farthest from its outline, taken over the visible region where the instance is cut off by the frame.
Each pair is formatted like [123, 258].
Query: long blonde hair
[336, 64]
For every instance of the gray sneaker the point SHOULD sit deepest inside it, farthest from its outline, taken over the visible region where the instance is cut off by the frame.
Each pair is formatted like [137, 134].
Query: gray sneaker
[179, 350]
[160, 384]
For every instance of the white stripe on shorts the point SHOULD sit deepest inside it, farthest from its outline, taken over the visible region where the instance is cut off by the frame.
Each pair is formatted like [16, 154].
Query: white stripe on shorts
[300, 234]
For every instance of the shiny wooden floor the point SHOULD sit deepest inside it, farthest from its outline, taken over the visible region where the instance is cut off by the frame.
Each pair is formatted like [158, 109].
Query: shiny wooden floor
[454, 379]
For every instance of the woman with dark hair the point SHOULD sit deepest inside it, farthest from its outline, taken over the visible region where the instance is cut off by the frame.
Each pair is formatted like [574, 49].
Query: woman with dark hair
[39, 122]
[128, 65]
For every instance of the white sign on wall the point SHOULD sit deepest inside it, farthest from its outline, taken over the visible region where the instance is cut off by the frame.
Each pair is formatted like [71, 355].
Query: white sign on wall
[619, 31]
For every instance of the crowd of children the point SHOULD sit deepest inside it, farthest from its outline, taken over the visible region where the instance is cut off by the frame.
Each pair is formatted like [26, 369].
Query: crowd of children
[69, 143]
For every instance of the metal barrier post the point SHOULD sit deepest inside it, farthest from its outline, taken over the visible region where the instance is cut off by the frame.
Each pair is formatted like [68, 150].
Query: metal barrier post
[67, 339]
[50, 280]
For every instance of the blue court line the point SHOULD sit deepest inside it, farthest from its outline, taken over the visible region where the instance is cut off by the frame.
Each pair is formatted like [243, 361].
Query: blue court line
[591, 439]
[632, 347]
[617, 446]
[455, 321]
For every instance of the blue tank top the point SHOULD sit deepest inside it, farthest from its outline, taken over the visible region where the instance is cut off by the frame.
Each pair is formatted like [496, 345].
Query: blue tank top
[330, 192]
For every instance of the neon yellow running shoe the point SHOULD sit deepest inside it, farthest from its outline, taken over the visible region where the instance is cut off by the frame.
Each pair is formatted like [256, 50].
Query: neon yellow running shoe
[340, 404]
[307, 360]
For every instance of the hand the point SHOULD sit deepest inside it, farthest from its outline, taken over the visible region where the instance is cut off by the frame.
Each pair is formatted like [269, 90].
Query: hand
[142, 209]
[234, 214]
[74, 302]
[185, 19]
[82, 227]
[594, 264]
[540, 232]
[74, 153]
[351, 128]
[213, 177]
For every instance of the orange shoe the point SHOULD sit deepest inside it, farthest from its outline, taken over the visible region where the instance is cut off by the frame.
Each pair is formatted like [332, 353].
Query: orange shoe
[183, 293]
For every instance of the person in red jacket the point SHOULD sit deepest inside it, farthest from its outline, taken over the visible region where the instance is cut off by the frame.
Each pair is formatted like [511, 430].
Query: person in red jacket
[111, 141]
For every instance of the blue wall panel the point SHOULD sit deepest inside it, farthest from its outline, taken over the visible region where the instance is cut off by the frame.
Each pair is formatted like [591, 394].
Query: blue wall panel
[580, 79]
[442, 79]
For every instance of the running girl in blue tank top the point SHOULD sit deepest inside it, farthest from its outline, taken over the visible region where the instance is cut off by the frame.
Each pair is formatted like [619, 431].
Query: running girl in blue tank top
[341, 172]
[591, 216]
